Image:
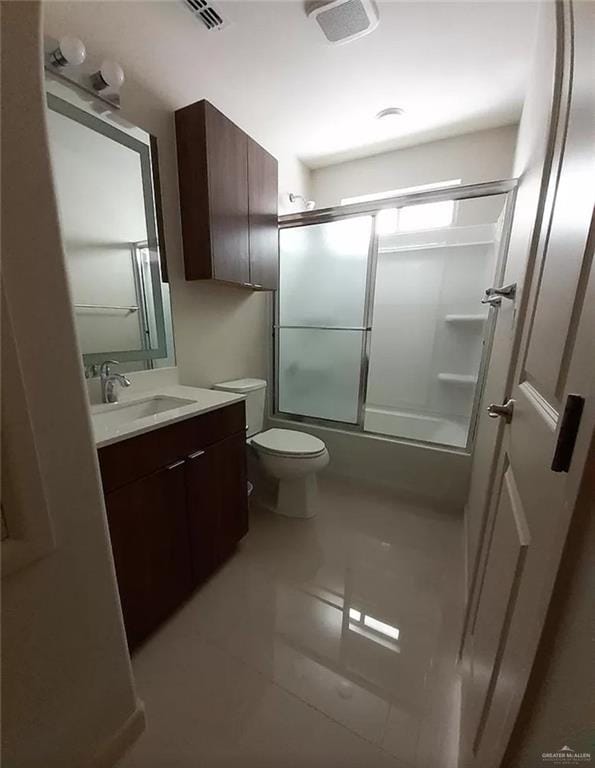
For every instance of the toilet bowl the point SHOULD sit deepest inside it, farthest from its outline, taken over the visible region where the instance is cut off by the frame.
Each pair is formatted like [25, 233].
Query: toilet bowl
[292, 458]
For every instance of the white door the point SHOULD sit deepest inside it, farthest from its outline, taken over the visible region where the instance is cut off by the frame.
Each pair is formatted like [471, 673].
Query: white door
[530, 505]
[531, 168]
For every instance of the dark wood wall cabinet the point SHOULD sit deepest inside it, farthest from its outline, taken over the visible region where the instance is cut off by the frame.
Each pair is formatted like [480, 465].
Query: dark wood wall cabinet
[177, 505]
[228, 201]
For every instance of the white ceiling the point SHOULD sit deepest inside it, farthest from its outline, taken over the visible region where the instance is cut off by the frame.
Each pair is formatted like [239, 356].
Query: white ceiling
[454, 67]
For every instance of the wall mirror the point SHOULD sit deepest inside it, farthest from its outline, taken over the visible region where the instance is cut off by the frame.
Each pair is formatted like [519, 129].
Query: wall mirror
[107, 188]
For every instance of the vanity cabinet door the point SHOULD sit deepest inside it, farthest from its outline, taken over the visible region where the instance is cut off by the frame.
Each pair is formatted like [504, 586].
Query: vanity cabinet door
[263, 219]
[232, 497]
[217, 503]
[149, 536]
[203, 516]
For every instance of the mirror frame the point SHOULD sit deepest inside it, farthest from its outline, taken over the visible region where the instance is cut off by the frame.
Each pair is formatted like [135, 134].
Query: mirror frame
[153, 217]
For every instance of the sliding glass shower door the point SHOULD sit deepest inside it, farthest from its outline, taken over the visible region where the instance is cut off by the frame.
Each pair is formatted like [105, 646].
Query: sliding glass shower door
[322, 318]
[381, 324]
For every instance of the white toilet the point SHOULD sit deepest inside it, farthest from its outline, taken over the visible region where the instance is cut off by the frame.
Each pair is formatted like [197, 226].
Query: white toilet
[292, 457]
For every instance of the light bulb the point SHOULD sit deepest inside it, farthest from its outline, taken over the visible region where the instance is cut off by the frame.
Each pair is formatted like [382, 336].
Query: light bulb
[70, 50]
[111, 75]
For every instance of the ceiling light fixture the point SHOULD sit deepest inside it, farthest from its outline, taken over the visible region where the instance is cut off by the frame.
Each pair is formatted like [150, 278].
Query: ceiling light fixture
[390, 112]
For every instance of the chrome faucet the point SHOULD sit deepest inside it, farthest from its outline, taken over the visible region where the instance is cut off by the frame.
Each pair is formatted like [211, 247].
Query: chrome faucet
[109, 392]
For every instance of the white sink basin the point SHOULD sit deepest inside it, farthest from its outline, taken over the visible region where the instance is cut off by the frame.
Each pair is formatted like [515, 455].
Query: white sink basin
[119, 414]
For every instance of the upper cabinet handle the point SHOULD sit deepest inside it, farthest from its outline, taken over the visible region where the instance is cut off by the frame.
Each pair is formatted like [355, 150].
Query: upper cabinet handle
[196, 454]
[176, 464]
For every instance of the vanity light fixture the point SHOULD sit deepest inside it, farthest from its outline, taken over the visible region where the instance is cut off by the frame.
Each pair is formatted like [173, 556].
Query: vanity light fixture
[109, 75]
[391, 112]
[69, 51]
[63, 59]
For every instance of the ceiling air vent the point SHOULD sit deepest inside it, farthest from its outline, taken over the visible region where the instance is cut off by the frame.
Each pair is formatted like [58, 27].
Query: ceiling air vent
[206, 12]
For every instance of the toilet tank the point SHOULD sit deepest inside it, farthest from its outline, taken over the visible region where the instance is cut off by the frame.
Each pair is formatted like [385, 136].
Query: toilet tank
[255, 392]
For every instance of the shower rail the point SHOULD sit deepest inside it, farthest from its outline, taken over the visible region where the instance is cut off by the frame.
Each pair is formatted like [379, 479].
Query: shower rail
[460, 192]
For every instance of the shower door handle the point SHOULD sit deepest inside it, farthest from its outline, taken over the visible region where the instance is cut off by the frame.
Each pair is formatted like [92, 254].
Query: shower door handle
[501, 411]
[494, 296]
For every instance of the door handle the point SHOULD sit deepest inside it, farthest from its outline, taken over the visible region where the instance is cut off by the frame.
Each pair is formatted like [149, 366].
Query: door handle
[494, 296]
[196, 454]
[501, 411]
[176, 464]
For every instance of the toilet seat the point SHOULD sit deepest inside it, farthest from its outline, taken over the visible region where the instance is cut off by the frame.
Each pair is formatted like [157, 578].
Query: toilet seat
[288, 442]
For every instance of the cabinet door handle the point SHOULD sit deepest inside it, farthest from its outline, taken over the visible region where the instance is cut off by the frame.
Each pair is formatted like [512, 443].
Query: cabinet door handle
[176, 464]
[256, 285]
[196, 454]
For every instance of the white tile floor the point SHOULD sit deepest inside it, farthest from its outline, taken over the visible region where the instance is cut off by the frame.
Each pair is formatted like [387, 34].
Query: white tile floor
[273, 662]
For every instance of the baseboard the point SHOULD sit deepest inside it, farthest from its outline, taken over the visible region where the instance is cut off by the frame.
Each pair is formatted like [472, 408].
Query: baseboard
[115, 749]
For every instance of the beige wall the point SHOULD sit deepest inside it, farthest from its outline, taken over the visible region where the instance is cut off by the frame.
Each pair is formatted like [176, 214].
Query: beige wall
[67, 687]
[472, 157]
[221, 332]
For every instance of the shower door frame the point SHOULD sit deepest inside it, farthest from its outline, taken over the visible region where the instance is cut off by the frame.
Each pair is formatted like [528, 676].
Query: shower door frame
[457, 193]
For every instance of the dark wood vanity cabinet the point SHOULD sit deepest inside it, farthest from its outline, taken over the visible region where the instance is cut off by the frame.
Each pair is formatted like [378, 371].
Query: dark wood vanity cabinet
[176, 501]
[228, 200]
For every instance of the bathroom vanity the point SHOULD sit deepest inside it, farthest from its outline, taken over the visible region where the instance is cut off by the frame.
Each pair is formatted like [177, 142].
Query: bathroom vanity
[173, 469]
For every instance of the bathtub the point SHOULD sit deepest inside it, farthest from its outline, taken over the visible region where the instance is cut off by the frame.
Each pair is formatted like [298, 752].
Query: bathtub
[433, 473]
[414, 426]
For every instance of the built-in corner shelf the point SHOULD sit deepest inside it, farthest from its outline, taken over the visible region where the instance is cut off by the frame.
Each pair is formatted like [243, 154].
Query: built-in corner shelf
[457, 378]
[465, 318]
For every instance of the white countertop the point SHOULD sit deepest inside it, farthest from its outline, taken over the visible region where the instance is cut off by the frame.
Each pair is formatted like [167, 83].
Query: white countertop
[203, 400]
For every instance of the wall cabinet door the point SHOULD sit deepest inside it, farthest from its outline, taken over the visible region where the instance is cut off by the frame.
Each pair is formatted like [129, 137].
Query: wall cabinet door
[228, 200]
[263, 195]
[213, 180]
[227, 147]
[217, 503]
[149, 536]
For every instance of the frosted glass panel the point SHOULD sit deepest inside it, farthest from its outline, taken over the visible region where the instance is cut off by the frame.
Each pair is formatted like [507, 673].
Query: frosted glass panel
[319, 373]
[323, 273]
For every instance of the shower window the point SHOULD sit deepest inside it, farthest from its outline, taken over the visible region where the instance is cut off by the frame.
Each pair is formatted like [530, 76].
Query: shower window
[380, 324]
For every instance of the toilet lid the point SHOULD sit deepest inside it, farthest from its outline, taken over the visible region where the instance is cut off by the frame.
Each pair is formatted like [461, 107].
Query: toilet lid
[288, 442]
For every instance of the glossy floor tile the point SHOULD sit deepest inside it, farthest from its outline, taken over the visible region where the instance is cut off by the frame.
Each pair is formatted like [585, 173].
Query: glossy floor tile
[322, 642]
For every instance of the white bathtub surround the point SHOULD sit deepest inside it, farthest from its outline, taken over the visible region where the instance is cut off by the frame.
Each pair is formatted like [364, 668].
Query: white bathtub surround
[429, 326]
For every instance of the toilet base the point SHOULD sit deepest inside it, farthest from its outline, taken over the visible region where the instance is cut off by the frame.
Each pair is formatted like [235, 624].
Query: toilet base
[297, 496]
